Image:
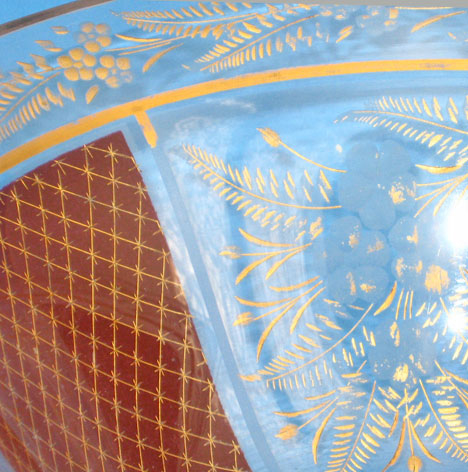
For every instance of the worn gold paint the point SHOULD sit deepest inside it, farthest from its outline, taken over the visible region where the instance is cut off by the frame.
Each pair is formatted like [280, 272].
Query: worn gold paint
[316, 228]
[118, 112]
[395, 333]
[287, 432]
[352, 283]
[413, 238]
[353, 240]
[400, 266]
[437, 279]
[250, 378]
[396, 194]
[378, 246]
[401, 373]
[367, 287]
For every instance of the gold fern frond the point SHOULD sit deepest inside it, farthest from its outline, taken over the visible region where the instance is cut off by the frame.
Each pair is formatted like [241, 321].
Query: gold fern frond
[299, 366]
[263, 197]
[251, 43]
[28, 103]
[200, 19]
[366, 440]
[444, 432]
[424, 121]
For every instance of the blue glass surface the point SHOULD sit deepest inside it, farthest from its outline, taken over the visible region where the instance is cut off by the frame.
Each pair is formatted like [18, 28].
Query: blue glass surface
[309, 172]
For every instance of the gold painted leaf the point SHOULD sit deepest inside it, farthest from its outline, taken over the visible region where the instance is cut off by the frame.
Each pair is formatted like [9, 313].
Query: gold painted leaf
[41, 62]
[270, 136]
[91, 93]
[262, 304]
[232, 253]
[439, 170]
[60, 29]
[293, 287]
[434, 19]
[421, 121]
[422, 446]
[344, 33]
[250, 378]
[48, 45]
[318, 434]
[246, 271]
[287, 432]
[243, 319]
[262, 242]
[388, 301]
[302, 309]
[399, 448]
[268, 330]
[151, 61]
[280, 263]
[294, 414]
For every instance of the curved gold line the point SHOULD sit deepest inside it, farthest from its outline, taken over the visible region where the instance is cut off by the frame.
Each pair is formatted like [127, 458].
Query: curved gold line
[436, 416]
[26, 95]
[261, 38]
[118, 112]
[358, 437]
[259, 197]
[324, 353]
[409, 117]
[245, 16]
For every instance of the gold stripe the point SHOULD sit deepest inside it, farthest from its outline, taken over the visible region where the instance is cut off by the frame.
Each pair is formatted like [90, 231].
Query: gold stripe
[88, 123]
[147, 128]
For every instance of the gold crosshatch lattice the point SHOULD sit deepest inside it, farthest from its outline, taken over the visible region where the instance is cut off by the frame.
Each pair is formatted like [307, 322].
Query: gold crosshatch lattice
[101, 368]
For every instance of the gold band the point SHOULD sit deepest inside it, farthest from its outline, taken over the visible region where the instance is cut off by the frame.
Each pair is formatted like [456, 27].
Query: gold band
[88, 123]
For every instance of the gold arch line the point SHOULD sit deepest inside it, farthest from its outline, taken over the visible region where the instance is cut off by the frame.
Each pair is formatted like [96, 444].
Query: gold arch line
[141, 105]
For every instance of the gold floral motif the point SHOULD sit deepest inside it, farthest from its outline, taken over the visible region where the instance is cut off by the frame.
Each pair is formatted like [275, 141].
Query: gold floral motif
[406, 411]
[94, 37]
[77, 64]
[82, 63]
[38, 88]
[114, 71]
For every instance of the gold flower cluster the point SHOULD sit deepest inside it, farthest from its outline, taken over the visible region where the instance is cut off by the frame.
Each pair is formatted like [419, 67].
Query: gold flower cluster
[81, 63]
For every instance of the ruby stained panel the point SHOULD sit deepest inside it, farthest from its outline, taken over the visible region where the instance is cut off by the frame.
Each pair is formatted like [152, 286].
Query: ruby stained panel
[100, 365]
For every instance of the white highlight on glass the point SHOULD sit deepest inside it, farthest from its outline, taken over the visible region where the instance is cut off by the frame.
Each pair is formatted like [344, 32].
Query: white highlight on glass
[457, 320]
[456, 226]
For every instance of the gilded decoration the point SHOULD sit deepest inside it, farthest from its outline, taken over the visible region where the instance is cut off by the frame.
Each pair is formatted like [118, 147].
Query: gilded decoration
[309, 165]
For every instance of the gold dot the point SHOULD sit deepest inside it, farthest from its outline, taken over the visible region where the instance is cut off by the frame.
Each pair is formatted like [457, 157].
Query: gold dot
[112, 82]
[107, 61]
[123, 63]
[89, 60]
[102, 28]
[72, 74]
[104, 41]
[87, 27]
[86, 74]
[78, 65]
[76, 54]
[102, 73]
[81, 38]
[64, 61]
[92, 46]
